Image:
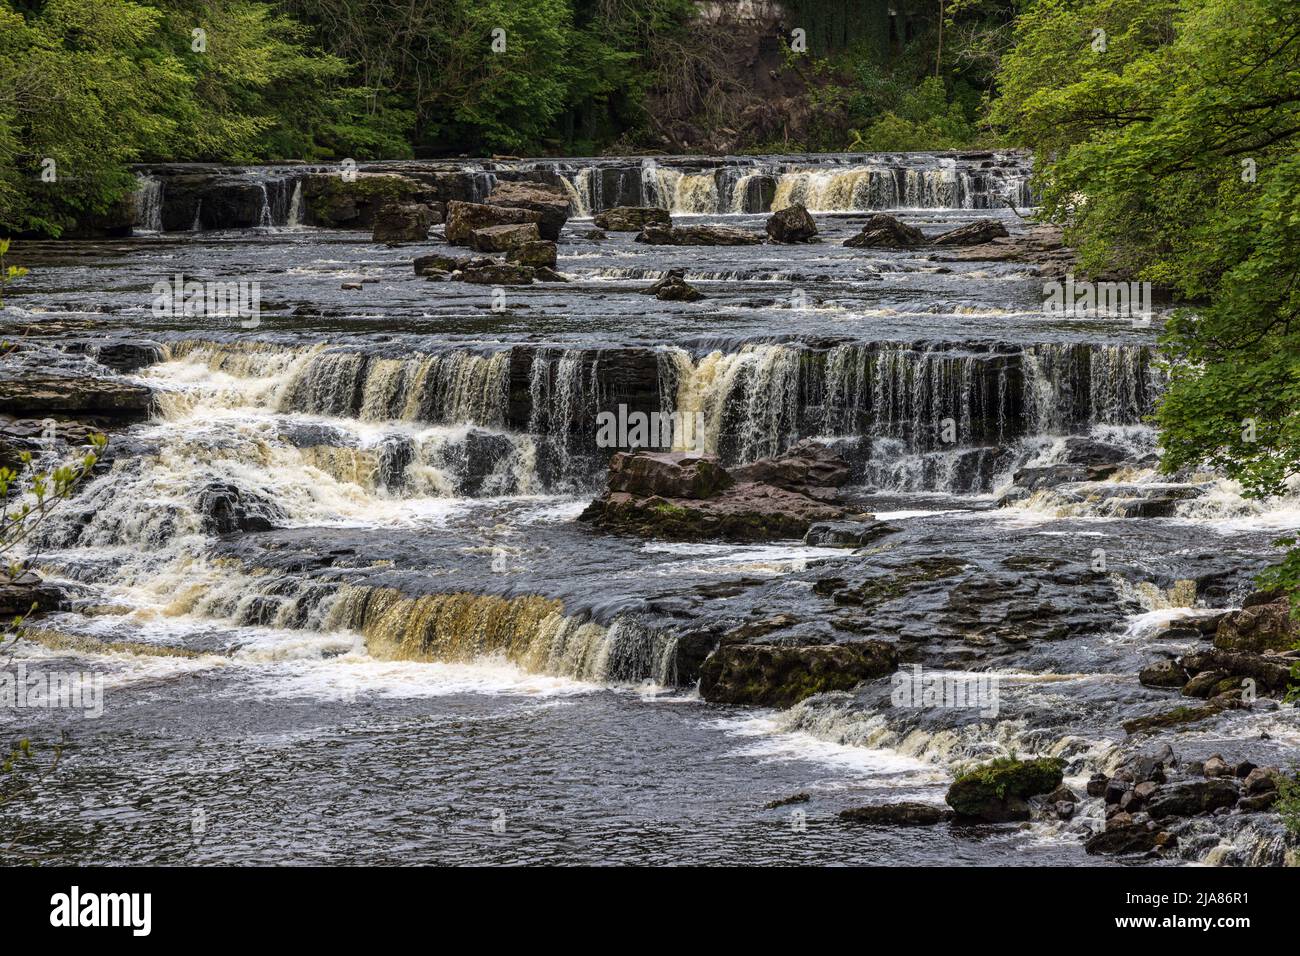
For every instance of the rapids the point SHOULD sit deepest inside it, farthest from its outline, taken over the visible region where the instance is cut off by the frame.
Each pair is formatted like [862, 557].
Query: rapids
[418, 641]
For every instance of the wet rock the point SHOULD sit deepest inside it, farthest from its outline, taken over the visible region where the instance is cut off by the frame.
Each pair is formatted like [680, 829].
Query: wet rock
[549, 203]
[1163, 674]
[437, 263]
[1258, 627]
[631, 218]
[596, 235]
[351, 286]
[126, 356]
[703, 234]
[227, 509]
[739, 511]
[1116, 788]
[1147, 508]
[1123, 840]
[503, 238]
[787, 801]
[1258, 802]
[499, 273]
[1192, 799]
[330, 200]
[668, 474]
[1172, 718]
[1040, 245]
[808, 467]
[547, 274]
[32, 393]
[1204, 684]
[997, 792]
[981, 230]
[791, 224]
[25, 593]
[777, 676]
[1097, 784]
[885, 231]
[898, 815]
[1271, 673]
[1261, 780]
[673, 287]
[846, 534]
[1216, 766]
[465, 218]
[537, 254]
[402, 222]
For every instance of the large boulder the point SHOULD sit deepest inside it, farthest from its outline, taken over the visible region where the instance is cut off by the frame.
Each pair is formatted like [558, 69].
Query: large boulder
[503, 238]
[668, 474]
[463, 218]
[770, 675]
[885, 231]
[1193, 799]
[1271, 673]
[36, 395]
[898, 815]
[497, 273]
[846, 534]
[435, 263]
[791, 224]
[550, 203]
[535, 253]
[981, 230]
[402, 222]
[631, 218]
[226, 509]
[1258, 627]
[26, 593]
[998, 792]
[808, 467]
[703, 234]
[673, 287]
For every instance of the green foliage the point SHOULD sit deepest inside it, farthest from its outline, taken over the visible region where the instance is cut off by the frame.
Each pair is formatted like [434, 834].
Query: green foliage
[8, 273]
[1173, 154]
[1288, 804]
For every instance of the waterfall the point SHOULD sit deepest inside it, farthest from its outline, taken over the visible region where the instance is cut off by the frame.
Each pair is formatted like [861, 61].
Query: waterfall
[148, 204]
[532, 632]
[295, 217]
[197, 224]
[264, 219]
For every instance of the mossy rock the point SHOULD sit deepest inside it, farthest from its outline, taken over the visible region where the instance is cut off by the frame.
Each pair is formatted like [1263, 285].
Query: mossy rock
[332, 201]
[778, 676]
[1171, 718]
[996, 792]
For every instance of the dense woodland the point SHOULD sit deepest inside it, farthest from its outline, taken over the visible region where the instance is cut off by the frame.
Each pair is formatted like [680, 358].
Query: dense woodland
[1165, 131]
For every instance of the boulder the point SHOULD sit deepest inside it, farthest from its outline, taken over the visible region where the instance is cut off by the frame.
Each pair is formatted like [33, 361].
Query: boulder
[791, 224]
[981, 230]
[998, 791]
[504, 237]
[533, 253]
[1163, 674]
[226, 509]
[1193, 799]
[1270, 672]
[1124, 839]
[25, 593]
[437, 263]
[668, 474]
[550, 203]
[1258, 627]
[884, 231]
[33, 394]
[846, 534]
[463, 218]
[808, 467]
[402, 222]
[770, 675]
[703, 234]
[898, 815]
[631, 218]
[673, 287]
[498, 273]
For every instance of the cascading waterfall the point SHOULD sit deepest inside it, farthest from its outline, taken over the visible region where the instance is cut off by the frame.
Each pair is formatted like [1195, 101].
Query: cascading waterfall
[148, 204]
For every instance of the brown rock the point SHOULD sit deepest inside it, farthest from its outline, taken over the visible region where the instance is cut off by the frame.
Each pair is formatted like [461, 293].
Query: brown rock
[503, 238]
[549, 203]
[631, 218]
[463, 218]
[885, 231]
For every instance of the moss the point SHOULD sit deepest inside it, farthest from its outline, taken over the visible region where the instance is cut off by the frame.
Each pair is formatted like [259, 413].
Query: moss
[1005, 780]
[1171, 718]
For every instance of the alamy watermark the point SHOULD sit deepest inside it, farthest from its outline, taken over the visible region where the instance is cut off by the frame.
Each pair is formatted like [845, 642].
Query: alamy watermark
[953, 691]
[236, 298]
[665, 430]
[49, 690]
[1098, 299]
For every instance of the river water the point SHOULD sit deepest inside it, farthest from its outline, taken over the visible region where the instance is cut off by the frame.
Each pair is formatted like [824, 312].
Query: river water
[424, 658]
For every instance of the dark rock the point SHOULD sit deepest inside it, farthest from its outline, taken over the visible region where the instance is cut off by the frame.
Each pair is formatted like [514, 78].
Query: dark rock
[808, 467]
[673, 287]
[1147, 507]
[35, 394]
[898, 815]
[25, 593]
[465, 218]
[226, 509]
[1097, 784]
[1192, 799]
[547, 274]
[997, 792]
[884, 231]
[777, 676]
[1258, 627]
[549, 203]
[330, 200]
[668, 474]
[1261, 780]
[503, 238]
[703, 234]
[503, 273]
[540, 254]
[787, 801]
[1163, 674]
[436, 263]
[1260, 801]
[1172, 718]
[791, 224]
[846, 534]
[1116, 789]
[596, 235]
[631, 218]
[402, 222]
[1203, 684]
[981, 230]
[1122, 840]
[1270, 672]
